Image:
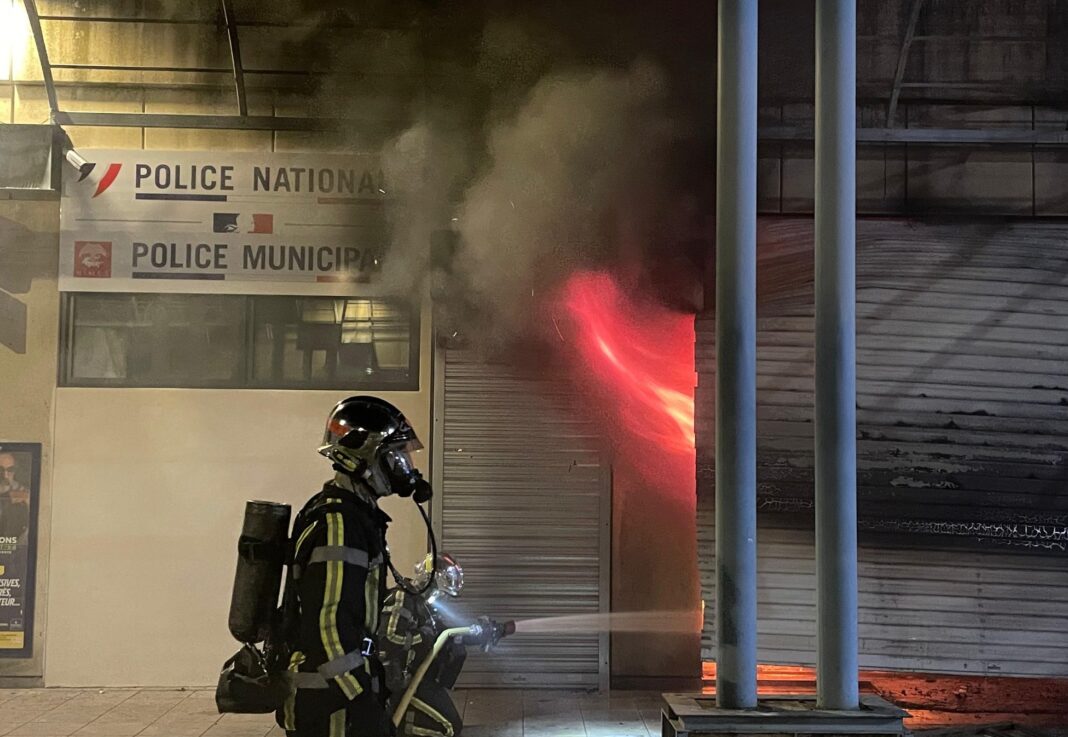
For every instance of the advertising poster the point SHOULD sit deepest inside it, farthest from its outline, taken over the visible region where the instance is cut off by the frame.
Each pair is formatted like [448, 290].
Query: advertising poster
[20, 475]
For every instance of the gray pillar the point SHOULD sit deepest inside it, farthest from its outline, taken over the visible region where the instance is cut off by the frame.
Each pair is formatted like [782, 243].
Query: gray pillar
[736, 686]
[836, 384]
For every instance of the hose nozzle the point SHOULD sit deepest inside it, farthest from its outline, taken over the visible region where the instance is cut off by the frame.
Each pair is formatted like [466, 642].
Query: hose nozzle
[489, 633]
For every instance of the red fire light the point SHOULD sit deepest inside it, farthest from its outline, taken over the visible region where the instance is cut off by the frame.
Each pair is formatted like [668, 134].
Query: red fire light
[640, 357]
[633, 360]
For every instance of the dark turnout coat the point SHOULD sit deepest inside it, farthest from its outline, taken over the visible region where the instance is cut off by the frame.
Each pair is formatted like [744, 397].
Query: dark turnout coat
[339, 561]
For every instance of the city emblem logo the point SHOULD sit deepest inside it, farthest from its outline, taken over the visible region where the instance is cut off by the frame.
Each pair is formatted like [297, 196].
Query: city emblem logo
[92, 259]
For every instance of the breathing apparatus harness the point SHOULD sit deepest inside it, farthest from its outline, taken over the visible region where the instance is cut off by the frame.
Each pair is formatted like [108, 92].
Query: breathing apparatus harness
[405, 481]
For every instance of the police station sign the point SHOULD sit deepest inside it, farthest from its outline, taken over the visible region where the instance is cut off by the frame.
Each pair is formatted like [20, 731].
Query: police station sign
[155, 221]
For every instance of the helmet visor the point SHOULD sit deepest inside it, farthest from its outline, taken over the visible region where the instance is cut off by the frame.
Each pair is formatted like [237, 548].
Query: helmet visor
[398, 462]
[340, 432]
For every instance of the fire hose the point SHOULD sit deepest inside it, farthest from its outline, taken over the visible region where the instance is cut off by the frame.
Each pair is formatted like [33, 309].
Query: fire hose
[487, 632]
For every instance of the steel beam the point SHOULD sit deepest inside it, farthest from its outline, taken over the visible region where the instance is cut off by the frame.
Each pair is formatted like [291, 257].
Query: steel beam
[903, 61]
[336, 22]
[235, 56]
[124, 19]
[188, 70]
[1050, 85]
[736, 622]
[929, 136]
[132, 68]
[986, 136]
[195, 86]
[42, 54]
[982, 38]
[952, 38]
[836, 381]
[218, 122]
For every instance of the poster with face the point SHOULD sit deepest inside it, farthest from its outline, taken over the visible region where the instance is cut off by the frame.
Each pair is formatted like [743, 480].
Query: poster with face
[19, 498]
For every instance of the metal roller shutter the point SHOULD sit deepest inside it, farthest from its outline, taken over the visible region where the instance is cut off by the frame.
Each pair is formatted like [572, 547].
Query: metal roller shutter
[962, 411]
[962, 348]
[951, 611]
[524, 507]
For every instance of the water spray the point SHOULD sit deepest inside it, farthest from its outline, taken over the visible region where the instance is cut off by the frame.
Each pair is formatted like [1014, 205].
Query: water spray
[660, 622]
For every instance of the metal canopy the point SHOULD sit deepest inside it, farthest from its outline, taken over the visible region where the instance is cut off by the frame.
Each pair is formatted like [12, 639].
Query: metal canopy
[248, 68]
[227, 20]
[963, 35]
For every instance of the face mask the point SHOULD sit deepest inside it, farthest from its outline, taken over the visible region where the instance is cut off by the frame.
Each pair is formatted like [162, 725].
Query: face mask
[402, 476]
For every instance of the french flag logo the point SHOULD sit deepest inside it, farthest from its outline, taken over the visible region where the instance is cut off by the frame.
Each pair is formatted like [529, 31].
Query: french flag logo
[262, 223]
[232, 222]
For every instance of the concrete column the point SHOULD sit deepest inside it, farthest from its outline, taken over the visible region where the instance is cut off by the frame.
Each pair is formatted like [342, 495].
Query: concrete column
[736, 686]
[836, 390]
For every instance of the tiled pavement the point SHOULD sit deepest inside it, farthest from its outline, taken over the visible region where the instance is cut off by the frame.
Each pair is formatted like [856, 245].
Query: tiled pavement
[191, 713]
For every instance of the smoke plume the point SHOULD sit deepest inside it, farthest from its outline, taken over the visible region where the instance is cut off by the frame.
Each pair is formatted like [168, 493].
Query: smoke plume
[576, 179]
[548, 139]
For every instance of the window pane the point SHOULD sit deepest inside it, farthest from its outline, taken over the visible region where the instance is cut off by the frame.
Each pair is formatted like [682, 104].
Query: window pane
[100, 336]
[185, 340]
[332, 341]
[157, 339]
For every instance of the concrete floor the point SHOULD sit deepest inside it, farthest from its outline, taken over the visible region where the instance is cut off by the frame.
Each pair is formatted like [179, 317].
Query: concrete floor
[191, 713]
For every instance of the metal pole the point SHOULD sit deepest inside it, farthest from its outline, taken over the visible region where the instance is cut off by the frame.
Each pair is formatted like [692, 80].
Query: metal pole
[235, 56]
[903, 61]
[736, 683]
[42, 54]
[836, 385]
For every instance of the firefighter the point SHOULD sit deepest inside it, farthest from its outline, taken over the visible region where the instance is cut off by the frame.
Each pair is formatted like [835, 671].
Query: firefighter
[409, 626]
[339, 557]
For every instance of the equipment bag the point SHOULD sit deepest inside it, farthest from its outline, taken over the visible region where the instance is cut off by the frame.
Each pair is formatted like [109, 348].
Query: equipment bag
[256, 681]
[247, 686]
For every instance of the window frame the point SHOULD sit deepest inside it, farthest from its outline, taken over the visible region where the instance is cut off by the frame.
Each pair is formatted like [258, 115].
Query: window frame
[68, 306]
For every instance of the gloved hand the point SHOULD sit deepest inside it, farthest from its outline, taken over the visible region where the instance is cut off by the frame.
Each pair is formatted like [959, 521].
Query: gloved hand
[492, 632]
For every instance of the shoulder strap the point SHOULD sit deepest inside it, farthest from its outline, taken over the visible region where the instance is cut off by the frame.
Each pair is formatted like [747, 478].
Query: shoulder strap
[283, 638]
[290, 604]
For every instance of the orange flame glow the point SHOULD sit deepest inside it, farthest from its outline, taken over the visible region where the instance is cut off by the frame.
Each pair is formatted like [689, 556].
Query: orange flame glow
[641, 358]
[635, 369]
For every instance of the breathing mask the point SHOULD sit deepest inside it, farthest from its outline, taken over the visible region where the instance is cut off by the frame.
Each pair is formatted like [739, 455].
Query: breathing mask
[395, 473]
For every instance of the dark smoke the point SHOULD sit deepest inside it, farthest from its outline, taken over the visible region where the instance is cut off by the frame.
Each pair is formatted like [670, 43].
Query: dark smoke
[578, 178]
[549, 137]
